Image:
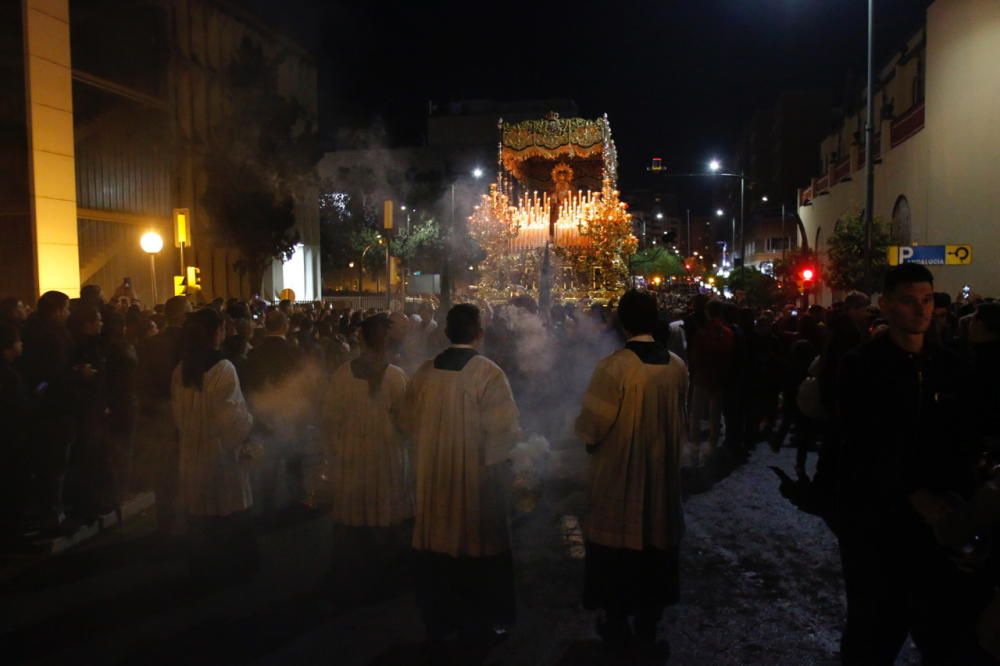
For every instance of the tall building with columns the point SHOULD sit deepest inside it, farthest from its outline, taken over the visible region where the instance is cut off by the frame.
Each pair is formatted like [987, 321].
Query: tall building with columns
[108, 107]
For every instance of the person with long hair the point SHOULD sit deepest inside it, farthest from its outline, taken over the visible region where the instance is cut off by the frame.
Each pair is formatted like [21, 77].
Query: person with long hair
[213, 423]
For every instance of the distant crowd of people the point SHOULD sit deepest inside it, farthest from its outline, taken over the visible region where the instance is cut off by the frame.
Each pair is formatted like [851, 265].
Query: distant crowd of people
[224, 411]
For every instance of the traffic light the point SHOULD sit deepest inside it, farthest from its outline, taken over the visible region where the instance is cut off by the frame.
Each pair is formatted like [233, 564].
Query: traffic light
[193, 279]
[807, 276]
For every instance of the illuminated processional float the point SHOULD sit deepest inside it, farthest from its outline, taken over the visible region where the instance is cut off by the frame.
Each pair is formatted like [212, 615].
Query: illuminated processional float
[553, 224]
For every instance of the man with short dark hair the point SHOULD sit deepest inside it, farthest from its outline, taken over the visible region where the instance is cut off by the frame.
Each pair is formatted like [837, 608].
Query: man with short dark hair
[464, 423]
[904, 449]
[158, 454]
[268, 367]
[711, 357]
[632, 422]
[49, 374]
[15, 416]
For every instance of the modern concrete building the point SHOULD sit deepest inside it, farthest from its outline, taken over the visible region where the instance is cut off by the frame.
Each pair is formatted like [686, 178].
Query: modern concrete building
[936, 147]
[108, 108]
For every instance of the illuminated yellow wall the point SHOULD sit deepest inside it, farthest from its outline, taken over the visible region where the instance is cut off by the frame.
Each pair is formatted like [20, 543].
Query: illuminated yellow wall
[50, 129]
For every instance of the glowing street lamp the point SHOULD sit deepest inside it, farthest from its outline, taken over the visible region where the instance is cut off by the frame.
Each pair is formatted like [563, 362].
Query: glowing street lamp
[719, 212]
[151, 243]
[659, 216]
[764, 199]
[477, 173]
[714, 166]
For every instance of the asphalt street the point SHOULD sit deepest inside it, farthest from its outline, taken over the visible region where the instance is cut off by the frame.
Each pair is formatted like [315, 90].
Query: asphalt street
[760, 585]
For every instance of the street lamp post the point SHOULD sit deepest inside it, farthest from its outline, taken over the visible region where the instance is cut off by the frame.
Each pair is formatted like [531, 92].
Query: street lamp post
[151, 243]
[715, 168]
[870, 149]
[689, 231]
[477, 173]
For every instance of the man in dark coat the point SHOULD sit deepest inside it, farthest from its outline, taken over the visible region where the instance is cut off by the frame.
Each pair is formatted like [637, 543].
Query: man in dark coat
[904, 451]
[50, 376]
[160, 461]
[266, 370]
[14, 415]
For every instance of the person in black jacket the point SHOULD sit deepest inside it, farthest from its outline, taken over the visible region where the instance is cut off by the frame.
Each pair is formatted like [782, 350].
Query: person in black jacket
[51, 378]
[903, 451]
[159, 454]
[89, 482]
[14, 415]
[265, 371]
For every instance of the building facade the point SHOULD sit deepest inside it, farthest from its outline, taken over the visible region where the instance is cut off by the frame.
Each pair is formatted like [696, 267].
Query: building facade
[117, 107]
[936, 148]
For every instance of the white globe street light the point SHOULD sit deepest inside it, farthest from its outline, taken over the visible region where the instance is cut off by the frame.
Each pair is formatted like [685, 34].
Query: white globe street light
[764, 198]
[151, 243]
[477, 173]
[719, 212]
[659, 216]
[714, 165]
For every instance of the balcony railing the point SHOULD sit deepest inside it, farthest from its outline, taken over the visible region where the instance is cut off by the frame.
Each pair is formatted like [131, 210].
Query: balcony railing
[907, 124]
[842, 171]
[806, 196]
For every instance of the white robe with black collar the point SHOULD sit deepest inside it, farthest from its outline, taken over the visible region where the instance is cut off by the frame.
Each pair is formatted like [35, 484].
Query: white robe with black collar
[464, 423]
[632, 420]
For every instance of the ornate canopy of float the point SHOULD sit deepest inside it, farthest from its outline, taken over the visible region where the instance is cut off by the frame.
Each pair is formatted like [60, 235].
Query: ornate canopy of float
[553, 221]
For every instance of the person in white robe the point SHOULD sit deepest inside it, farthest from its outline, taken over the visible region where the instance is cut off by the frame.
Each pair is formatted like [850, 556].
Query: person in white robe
[369, 464]
[213, 424]
[464, 423]
[632, 422]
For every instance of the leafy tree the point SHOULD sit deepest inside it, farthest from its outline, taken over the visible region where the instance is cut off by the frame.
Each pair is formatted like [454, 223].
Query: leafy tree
[759, 290]
[657, 260]
[351, 214]
[258, 161]
[846, 269]
[785, 270]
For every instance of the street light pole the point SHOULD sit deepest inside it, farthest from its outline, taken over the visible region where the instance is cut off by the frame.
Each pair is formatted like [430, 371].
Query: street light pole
[743, 238]
[784, 237]
[689, 231]
[870, 150]
[446, 263]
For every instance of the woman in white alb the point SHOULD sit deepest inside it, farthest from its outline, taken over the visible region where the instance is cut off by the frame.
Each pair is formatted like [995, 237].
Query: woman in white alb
[213, 423]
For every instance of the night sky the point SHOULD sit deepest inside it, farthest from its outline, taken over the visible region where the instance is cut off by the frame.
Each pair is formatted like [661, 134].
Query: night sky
[678, 79]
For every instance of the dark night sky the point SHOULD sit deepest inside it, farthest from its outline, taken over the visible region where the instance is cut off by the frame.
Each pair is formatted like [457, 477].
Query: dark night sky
[678, 78]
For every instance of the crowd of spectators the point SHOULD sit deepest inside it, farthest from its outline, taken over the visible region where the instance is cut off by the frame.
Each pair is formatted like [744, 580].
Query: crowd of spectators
[90, 392]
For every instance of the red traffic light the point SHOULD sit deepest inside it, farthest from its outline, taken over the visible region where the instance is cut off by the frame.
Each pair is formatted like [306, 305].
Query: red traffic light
[808, 274]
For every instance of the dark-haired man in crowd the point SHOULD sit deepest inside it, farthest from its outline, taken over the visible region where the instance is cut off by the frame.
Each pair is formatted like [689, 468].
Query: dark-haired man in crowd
[903, 406]
[49, 374]
[158, 356]
[632, 422]
[464, 423]
[267, 367]
[711, 357]
[14, 415]
[13, 312]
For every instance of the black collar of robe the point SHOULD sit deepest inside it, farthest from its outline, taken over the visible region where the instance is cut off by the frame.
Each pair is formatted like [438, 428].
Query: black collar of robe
[650, 353]
[454, 358]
